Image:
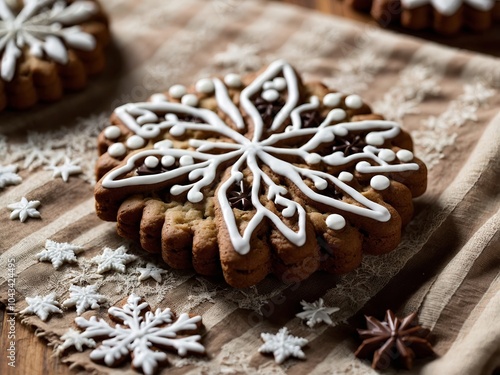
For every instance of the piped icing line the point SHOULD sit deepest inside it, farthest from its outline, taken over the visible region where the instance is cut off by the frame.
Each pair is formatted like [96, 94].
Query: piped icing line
[450, 7]
[226, 104]
[257, 85]
[295, 114]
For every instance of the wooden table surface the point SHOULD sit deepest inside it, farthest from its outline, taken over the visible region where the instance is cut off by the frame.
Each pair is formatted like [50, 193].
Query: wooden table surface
[35, 357]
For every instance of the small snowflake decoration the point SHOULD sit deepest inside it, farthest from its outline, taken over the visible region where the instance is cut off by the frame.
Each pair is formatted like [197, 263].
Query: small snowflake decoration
[59, 253]
[283, 345]
[316, 312]
[151, 271]
[64, 171]
[42, 306]
[8, 176]
[142, 330]
[24, 209]
[84, 298]
[74, 338]
[44, 29]
[113, 260]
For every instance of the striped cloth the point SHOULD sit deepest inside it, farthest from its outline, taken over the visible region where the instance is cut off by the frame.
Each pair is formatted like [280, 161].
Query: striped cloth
[446, 267]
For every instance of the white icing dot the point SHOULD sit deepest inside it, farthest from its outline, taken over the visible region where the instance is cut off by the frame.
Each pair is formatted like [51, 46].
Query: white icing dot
[380, 182]
[279, 83]
[157, 98]
[363, 166]
[233, 80]
[405, 155]
[112, 132]
[135, 142]
[313, 158]
[270, 95]
[374, 139]
[335, 222]
[195, 196]
[205, 86]
[332, 99]
[167, 161]
[345, 176]
[387, 155]
[268, 85]
[337, 114]
[321, 184]
[117, 149]
[190, 100]
[177, 91]
[151, 162]
[163, 144]
[172, 117]
[186, 160]
[177, 130]
[354, 101]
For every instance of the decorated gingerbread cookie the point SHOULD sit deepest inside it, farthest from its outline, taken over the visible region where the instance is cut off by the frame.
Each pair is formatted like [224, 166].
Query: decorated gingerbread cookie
[48, 47]
[257, 174]
[445, 16]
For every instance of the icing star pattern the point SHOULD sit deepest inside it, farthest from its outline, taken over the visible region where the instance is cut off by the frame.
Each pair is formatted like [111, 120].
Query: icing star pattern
[9, 176]
[84, 298]
[58, 253]
[316, 312]
[113, 260]
[42, 306]
[283, 345]
[76, 339]
[140, 334]
[42, 28]
[151, 271]
[64, 171]
[24, 209]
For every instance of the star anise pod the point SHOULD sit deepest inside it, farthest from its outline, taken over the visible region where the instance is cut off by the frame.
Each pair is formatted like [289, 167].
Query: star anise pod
[394, 339]
[311, 119]
[241, 199]
[268, 110]
[349, 146]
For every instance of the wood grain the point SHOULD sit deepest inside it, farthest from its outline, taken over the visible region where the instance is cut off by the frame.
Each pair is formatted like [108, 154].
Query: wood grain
[35, 357]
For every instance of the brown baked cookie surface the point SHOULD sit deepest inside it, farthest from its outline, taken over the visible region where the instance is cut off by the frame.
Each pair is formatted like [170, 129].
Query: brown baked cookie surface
[445, 16]
[257, 174]
[48, 47]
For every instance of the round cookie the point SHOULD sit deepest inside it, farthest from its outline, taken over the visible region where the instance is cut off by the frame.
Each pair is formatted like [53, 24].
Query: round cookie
[48, 47]
[257, 174]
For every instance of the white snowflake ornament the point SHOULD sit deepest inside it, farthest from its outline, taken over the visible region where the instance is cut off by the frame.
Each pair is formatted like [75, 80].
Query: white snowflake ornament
[8, 176]
[84, 298]
[42, 306]
[151, 271]
[283, 345]
[64, 171]
[74, 338]
[44, 29]
[24, 209]
[58, 253]
[140, 334]
[316, 312]
[113, 260]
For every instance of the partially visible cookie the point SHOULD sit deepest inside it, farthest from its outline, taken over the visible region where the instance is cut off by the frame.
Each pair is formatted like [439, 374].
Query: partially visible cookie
[48, 47]
[248, 175]
[445, 16]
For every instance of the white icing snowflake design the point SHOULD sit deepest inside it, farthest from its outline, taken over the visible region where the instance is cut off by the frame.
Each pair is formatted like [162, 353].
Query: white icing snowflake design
[74, 338]
[45, 28]
[283, 345]
[42, 306]
[151, 271]
[266, 145]
[84, 297]
[58, 253]
[24, 209]
[9, 176]
[316, 312]
[141, 331]
[113, 259]
[64, 171]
